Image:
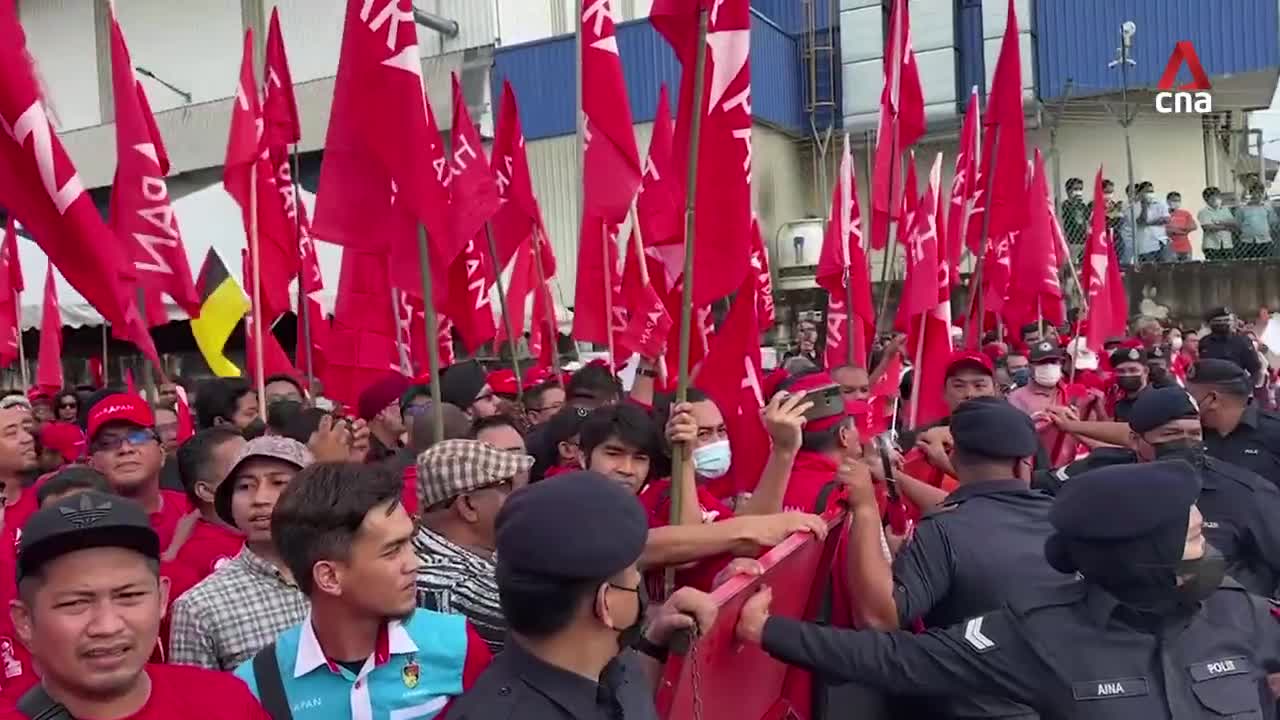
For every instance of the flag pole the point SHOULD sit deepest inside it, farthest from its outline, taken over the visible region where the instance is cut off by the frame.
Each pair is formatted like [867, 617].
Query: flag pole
[304, 305]
[913, 412]
[644, 268]
[686, 301]
[891, 242]
[609, 270]
[432, 332]
[22, 351]
[406, 365]
[254, 251]
[975, 280]
[148, 374]
[554, 339]
[512, 340]
[844, 246]
[106, 367]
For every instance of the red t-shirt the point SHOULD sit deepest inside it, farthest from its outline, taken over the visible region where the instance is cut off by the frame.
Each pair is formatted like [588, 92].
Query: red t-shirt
[409, 494]
[173, 507]
[190, 693]
[656, 499]
[810, 474]
[209, 545]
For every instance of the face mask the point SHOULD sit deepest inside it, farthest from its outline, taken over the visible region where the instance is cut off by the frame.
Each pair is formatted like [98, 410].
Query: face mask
[1182, 449]
[1159, 374]
[1220, 328]
[1174, 205]
[1020, 377]
[1077, 194]
[255, 429]
[1129, 383]
[1175, 342]
[1048, 375]
[712, 461]
[1201, 577]
[1149, 197]
[1215, 203]
[631, 633]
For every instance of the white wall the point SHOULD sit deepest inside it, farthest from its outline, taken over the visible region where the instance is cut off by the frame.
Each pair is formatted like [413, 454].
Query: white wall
[195, 46]
[312, 31]
[60, 36]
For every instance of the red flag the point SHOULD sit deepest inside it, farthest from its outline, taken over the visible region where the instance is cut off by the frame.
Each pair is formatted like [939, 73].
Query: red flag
[920, 288]
[1007, 203]
[649, 323]
[362, 340]
[279, 109]
[1104, 288]
[10, 289]
[765, 314]
[384, 168]
[186, 421]
[965, 189]
[929, 340]
[141, 214]
[469, 306]
[597, 275]
[902, 122]
[274, 360]
[659, 207]
[723, 232]
[519, 215]
[39, 184]
[610, 139]
[49, 365]
[248, 163]
[473, 193]
[1034, 291]
[843, 265]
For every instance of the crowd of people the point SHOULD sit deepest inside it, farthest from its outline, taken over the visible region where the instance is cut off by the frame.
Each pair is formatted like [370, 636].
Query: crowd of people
[222, 555]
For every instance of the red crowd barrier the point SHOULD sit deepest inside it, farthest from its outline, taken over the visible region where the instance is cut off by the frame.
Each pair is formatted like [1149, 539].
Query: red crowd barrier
[723, 679]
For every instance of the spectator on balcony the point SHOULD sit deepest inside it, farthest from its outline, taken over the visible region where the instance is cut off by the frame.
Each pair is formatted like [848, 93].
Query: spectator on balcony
[1256, 218]
[1075, 215]
[1218, 224]
[1151, 216]
[1181, 225]
[1125, 240]
[1115, 214]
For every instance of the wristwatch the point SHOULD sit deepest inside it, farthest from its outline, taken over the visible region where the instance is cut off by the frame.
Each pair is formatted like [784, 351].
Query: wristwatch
[647, 372]
[646, 646]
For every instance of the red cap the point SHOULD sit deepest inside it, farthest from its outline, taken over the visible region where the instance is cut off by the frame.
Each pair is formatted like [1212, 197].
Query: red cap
[537, 375]
[120, 407]
[961, 359]
[503, 382]
[814, 381]
[36, 393]
[64, 437]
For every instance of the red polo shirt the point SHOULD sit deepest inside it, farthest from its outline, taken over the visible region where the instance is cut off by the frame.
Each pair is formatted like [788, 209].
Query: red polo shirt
[173, 507]
[656, 499]
[811, 473]
[209, 545]
[190, 693]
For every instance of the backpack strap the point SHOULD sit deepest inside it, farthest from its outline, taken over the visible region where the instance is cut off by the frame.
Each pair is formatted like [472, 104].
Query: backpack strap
[37, 705]
[824, 496]
[271, 693]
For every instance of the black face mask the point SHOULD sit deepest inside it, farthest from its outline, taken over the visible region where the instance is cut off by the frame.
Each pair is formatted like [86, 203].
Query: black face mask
[1129, 383]
[1181, 449]
[1220, 328]
[255, 429]
[631, 633]
[1159, 375]
[1201, 577]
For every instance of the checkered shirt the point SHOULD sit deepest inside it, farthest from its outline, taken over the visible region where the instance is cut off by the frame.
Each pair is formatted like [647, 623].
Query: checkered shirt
[232, 614]
[457, 467]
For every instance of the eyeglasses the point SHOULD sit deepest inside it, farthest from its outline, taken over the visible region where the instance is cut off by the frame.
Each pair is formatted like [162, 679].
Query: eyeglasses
[66, 405]
[135, 438]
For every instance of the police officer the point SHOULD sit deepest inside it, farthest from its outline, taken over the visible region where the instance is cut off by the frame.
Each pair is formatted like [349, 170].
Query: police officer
[1224, 343]
[1241, 510]
[573, 598]
[968, 557]
[1235, 429]
[1151, 629]
[1158, 375]
[1131, 372]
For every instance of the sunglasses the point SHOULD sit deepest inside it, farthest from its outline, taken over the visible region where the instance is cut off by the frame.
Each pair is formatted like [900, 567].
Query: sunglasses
[115, 442]
[65, 405]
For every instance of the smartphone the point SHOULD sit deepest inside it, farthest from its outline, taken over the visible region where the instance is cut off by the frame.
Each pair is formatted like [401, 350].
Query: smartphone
[827, 402]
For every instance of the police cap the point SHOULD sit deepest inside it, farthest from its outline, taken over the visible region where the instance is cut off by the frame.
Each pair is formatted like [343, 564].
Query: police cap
[991, 427]
[1128, 355]
[1046, 350]
[82, 521]
[1156, 406]
[1123, 502]
[575, 526]
[1218, 312]
[1213, 371]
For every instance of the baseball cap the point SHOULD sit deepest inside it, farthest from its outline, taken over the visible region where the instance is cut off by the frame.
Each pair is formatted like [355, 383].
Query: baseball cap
[537, 375]
[120, 408]
[1045, 350]
[457, 467]
[816, 381]
[971, 359]
[503, 382]
[89, 519]
[64, 437]
[268, 446]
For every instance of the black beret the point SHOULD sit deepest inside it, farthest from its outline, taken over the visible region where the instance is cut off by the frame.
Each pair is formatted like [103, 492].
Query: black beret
[1126, 355]
[1217, 313]
[1123, 502]
[82, 521]
[991, 427]
[575, 526]
[1213, 371]
[1157, 406]
[1045, 350]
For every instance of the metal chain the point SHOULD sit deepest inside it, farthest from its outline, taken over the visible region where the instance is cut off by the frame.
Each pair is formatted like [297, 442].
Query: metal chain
[696, 675]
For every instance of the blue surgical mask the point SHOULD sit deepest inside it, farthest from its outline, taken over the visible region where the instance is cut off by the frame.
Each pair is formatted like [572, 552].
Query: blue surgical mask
[1020, 376]
[712, 461]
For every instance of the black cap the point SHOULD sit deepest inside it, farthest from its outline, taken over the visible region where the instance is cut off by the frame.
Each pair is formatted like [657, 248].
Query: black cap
[991, 427]
[1218, 312]
[1157, 406]
[1214, 371]
[89, 519]
[1045, 350]
[1123, 502]
[460, 383]
[540, 529]
[1127, 355]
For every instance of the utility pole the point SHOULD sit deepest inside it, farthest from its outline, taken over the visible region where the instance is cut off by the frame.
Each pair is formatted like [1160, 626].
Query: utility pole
[1126, 61]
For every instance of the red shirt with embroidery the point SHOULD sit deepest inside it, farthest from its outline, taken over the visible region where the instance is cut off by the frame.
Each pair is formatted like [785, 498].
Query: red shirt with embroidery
[190, 693]
[656, 499]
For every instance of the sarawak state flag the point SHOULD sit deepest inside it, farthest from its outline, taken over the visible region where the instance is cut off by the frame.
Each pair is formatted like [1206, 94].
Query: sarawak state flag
[222, 307]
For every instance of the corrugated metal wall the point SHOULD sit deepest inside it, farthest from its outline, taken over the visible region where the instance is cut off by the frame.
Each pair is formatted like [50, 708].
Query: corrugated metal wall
[971, 66]
[1078, 38]
[60, 35]
[790, 14]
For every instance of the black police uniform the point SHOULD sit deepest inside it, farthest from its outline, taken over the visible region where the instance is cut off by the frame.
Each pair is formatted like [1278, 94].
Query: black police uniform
[539, 539]
[1124, 405]
[1078, 650]
[983, 543]
[1255, 443]
[1230, 346]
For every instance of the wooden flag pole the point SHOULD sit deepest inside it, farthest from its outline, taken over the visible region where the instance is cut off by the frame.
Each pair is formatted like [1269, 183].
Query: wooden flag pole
[975, 281]
[106, 367]
[148, 374]
[609, 270]
[304, 314]
[432, 332]
[554, 338]
[512, 340]
[644, 269]
[402, 349]
[891, 242]
[678, 458]
[913, 411]
[22, 351]
[257, 282]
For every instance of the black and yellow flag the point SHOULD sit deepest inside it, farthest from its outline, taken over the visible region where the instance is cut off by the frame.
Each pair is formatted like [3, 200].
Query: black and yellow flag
[222, 307]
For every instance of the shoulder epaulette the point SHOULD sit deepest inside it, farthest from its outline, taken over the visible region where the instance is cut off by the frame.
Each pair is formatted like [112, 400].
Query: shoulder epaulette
[1028, 600]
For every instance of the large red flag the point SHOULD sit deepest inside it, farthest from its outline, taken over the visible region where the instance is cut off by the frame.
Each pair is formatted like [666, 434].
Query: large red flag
[362, 341]
[920, 287]
[49, 365]
[470, 279]
[660, 207]
[141, 214]
[610, 139]
[766, 315]
[280, 108]
[274, 359]
[1104, 288]
[1034, 290]
[10, 288]
[598, 310]
[723, 232]
[1004, 119]
[519, 215]
[39, 184]
[648, 322]
[843, 272]
[929, 339]
[902, 122]
[473, 192]
[965, 189]
[248, 167]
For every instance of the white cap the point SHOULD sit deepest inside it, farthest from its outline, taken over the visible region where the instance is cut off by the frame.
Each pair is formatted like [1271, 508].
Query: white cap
[1081, 355]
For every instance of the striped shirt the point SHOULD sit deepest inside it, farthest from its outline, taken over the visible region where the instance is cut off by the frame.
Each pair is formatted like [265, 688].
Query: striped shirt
[455, 580]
